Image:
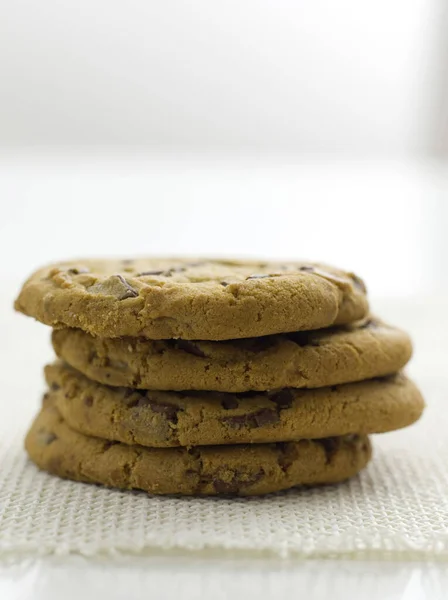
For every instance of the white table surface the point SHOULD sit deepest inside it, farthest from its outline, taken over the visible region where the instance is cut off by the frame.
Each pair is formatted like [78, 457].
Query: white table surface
[207, 575]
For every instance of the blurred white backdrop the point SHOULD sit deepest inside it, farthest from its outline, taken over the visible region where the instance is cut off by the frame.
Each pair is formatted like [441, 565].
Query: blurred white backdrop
[314, 76]
[227, 128]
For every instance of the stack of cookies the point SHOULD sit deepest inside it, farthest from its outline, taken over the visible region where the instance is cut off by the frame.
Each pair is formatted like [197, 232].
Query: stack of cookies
[213, 377]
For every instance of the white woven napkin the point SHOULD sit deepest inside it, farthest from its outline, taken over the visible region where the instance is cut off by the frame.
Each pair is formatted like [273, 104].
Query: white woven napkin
[398, 507]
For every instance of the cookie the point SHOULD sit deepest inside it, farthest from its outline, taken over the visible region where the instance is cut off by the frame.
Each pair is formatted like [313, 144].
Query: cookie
[237, 470]
[175, 298]
[311, 359]
[167, 419]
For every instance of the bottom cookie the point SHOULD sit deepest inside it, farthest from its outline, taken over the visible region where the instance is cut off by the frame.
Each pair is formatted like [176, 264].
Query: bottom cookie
[207, 470]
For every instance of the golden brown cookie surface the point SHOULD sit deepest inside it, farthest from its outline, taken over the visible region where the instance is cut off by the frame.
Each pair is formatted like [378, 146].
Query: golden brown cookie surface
[237, 470]
[202, 299]
[168, 419]
[310, 359]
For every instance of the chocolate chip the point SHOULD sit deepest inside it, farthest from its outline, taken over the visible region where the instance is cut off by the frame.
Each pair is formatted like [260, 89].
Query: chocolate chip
[144, 273]
[55, 386]
[195, 452]
[190, 348]
[238, 481]
[264, 416]
[359, 283]
[115, 285]
[78, 271]
[283, 399]
[307, 268]
[224, 283]
[229, 403]
[225, 487]
[45, 396]
[88, 400]
[129, 291]
[330, 446]
[165, 272]
[334, 388]
[165, 408]
[288, 453]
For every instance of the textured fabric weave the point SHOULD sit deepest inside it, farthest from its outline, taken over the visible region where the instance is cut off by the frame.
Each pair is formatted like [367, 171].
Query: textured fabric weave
[397, 508]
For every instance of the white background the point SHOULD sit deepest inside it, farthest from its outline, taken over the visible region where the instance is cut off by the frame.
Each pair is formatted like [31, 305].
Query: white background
[296, 76]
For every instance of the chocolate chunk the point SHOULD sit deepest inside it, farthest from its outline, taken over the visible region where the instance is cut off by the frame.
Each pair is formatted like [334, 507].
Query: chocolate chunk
[307, 268]
[224, 283]
[129, 291]
[225, 487]
[115, 285]
[78, 271]
[164, 272]
[55, 386]
[238, 481]
[359, 283]
[165, 408]
[229, 403]
[88, 401]
[283, 399]
[264, 416]
[190, 348]
[330, 446]
[144, 273]
[288, 453]
[195, 452]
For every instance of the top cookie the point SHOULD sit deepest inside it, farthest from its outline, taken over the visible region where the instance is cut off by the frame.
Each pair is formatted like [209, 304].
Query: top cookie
[180, 298]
